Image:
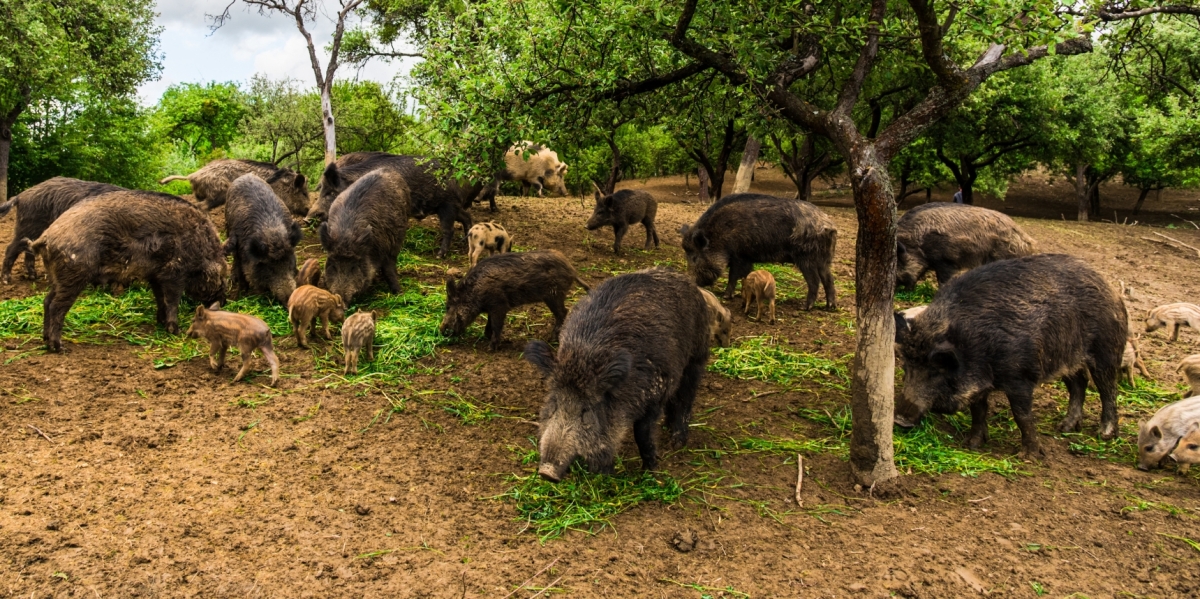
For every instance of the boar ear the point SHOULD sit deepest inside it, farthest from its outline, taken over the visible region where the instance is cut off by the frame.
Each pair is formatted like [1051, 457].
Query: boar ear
[541, 355]
[300, 183]
[562, 169]
[616, 371]
[331, 177]
[215, 306]
[258, 249]
[901, 327]
[700, 240]
[1156, 432]
[944, 356]
[200, 311]
[295, 234]
[683, 230]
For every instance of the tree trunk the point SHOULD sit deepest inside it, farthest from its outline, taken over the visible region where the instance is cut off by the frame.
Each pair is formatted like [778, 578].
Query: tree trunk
[5, 146]
[327, 123]
[702, 183]
[745, 174]
[716, 182]
[1145, 191]
[1081, 191]
[872, 401]
[1095, 199]
[614, 169]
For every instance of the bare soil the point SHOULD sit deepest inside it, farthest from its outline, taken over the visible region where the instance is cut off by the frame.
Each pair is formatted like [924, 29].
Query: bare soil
[119, 480]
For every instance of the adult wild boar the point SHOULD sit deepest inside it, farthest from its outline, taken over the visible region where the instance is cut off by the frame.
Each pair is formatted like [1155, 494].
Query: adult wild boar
[742, 229]
[632, 350]
[620, 210]
[529, 164]
[211, 183]
[262, 239]
[1010, 326]
[952, 238]
[39, 206]
[127, 236]
[365, 233]
[429, 193]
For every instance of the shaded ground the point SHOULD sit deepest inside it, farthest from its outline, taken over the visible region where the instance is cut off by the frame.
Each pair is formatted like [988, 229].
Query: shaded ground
[119, 479]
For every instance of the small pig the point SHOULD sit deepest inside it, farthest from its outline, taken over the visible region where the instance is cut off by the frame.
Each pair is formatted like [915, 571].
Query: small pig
[224, 329]
[358, 332]
[630, 353]
[210, 184]
[365, 234]
[529, 164]
[1190, 367]
[310, 273]
[1187, 452]
[974, 339]
[1132, 359]
[309, 304]
[127, 236]
[487, 237]
[758, 287]
[1158, 436]
[504, 282]
[744, 228]
[1173, 316]
[622, 209]
[262, 238]
[39, 206]
[720, 322]
[952, 238]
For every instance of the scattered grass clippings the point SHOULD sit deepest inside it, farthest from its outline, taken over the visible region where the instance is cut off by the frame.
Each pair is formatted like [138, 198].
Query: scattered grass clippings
[763, 358]
[922, 294]
[1143, 395]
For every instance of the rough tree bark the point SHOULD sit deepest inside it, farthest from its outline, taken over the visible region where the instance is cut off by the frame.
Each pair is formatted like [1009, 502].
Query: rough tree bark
[6, 125]
[745, 173]
[702, 183]
[1081, 191]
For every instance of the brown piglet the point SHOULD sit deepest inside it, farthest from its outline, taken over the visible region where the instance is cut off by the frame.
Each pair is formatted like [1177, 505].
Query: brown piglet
[358, 333]
[1188, 450]
[307, 305]
[759, 287]
[310, 273]
[223, 329]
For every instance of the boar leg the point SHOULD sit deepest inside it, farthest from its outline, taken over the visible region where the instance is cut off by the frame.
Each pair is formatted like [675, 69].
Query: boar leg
[494, 329]
[679, 407]
[738, 270]
[1077, 389]
[219, 348]
[619, 231]
[390, 276]
[1105, 378]
[643, 435]
[813, 281]
[447, 223]
[651, 235]
[247, 352]
[772, 309]
[746, 298]
[370, 350]
[215, 348]
[830, 290]
[1020, 401]
[978, 435]
[300, 327]
[1174, 331]
[558, 308]
[10, 258]
[268, 352]
[58, 307]
[351, 358]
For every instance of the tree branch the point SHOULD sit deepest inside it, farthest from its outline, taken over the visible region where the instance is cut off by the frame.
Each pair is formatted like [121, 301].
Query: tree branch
[1170, 9]
[866, 59]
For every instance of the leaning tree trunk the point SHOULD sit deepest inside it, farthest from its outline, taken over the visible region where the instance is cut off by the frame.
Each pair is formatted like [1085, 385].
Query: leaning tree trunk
[716, 182]
[1145, 191]
[1095, 199]
[5, 147]
[614, 169]
[745, 172]
[327, 123]
[702, 183]
[1081, 191]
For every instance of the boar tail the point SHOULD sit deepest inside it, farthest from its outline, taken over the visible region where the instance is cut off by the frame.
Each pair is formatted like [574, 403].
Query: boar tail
[582, 283]
[9, 205]
[172, 178]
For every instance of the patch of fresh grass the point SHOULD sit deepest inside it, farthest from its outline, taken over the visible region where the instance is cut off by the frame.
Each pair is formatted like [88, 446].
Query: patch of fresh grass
[922, 294]
[765, 359]
[1144, 395]
[421, 240]
[467, 411]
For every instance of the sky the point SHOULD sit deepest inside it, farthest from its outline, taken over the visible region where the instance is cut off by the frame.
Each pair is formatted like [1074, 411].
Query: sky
[247, 44]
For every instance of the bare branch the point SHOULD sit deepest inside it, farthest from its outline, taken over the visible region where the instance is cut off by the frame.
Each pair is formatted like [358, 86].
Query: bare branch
[866, 59]
[1170, 9]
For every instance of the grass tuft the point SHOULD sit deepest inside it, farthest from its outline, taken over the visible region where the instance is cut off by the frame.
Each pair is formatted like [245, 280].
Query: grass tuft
[922, 294]
[763, 358]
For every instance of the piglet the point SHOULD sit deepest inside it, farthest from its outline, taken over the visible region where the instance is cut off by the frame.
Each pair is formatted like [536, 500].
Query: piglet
[759, 287]
[1188, 450]
[1132, 359]
[310, 273]
[1173, 316]
[720, 323]
[223, 329]
[1158, 436]
[1190, 367]
[308, 304]
[358, 332]
[487, 239]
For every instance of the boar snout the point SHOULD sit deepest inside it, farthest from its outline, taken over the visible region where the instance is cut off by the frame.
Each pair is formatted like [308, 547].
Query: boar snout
[903, 422]
[551, 472]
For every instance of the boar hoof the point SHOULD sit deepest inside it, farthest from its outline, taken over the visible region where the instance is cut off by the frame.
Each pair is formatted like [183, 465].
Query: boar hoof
[1069, 425]
[977, 440]
[1033, 452]
[1108, 432]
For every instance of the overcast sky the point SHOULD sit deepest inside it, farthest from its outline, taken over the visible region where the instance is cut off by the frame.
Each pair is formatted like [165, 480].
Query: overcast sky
[249, 43]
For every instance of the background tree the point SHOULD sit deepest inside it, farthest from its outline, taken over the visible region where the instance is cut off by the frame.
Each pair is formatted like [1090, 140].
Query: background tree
[205, 118]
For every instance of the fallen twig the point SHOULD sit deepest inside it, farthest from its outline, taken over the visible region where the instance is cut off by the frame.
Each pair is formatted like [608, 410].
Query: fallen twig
[539, 572]
[980, 499]
[548, 587]
[799, 478]
[1186, 221]
[1194, 249]
[39, 431]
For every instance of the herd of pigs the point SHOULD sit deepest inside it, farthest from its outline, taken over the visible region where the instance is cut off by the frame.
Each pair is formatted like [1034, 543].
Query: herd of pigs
[633, 350]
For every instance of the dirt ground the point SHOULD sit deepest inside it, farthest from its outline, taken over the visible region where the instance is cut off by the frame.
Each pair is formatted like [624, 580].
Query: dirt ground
[119, 480]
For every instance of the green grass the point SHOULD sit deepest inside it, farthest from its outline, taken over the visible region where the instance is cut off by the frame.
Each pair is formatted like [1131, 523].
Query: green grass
[765, 359]
[922, 294]
[1144, 396]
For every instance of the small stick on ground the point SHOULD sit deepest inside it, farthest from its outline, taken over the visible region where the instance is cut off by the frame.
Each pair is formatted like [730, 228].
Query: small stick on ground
[980, 499]
[1186, 221]
[799, 478]
[548, 587]
[1179, 242]
[539, 572]
[39, 431]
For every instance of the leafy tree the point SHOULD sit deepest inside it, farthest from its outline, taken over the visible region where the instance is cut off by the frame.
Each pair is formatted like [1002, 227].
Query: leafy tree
[205, 118]
[282, 121]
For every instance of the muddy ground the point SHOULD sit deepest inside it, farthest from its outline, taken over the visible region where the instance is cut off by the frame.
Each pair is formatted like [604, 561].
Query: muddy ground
[120, 480]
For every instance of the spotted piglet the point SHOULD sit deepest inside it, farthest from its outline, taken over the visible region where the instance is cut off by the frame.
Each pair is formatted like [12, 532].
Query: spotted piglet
[489, 238]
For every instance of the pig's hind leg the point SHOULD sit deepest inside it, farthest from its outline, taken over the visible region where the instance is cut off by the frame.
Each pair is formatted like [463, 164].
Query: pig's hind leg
[643, 434]
[978, 434]
[1077, 390]
[269, 353]
[738, 269]
[1020, 401]
[1105, 378]
[558, 307]
[679, 407]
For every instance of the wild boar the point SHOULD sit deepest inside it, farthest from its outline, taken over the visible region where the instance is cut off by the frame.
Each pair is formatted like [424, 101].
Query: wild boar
[310, 273]
[529, 164]
[744, 228]
[429, 193]
[1190, 367]
[358, 333]
[39, 206]
[630, 352]
[976, 337]
[210, 184]
[952, 238]
[1187, 452]
[622, 209]
[1173, 316]
[759, 287]
[1159, 436]
[224, 329]
[489, 238]
[1131, 359]
[310, 304]
[127, 236]
[365, 233]
[262, 239]
[504, 282]
[720, 321]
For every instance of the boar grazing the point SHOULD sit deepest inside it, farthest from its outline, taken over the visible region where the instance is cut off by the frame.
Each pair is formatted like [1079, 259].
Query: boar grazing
[505, 281]
[262, 239]
[358, 333]
[720, 322]
[1173, 316]
[529, 164]
[127, 236]
[1159, 436]
[211, 183]
[310, 304]
[621, 209]
[744, 228]
[39, 206]
[489, 238]
[1187, 452]
[428, 192]
[1190, 368]
[1131, 359]
[365, 233]
[224, 329]
[631, 352]
[952, 238]
[980, 334]
[310, 273]
[759, 287]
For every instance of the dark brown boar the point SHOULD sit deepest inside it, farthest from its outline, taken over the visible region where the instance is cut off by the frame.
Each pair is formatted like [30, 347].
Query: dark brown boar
[39, 206]
[224, 329]
[365, 233]
[310, 304]
[210, 184]
[504, 282]
[633, 349]
[310, 273]
[358, 333]
[952, 238]
[262, 239]
[1010, 326]
[622, 209]
[128, 236]
[742, 229]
